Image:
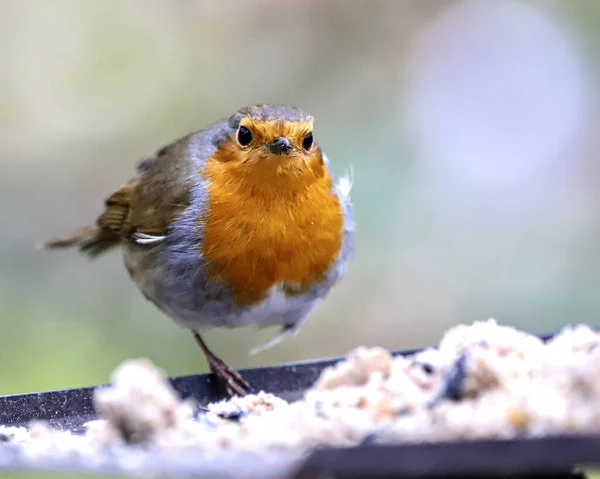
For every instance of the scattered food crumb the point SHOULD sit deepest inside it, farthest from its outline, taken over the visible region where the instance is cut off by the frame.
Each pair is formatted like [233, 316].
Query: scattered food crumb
[139, 403]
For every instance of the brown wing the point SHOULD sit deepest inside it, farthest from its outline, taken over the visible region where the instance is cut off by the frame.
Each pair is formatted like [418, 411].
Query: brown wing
[143, 208]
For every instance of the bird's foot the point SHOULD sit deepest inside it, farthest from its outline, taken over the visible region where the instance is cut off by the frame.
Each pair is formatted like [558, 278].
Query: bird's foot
[235, 384]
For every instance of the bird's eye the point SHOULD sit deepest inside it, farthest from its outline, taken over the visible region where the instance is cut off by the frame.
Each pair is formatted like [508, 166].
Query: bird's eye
[307, 143]
[244, 136]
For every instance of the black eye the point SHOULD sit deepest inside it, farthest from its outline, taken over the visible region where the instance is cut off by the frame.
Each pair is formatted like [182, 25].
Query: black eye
[244, 136]
[307, 143]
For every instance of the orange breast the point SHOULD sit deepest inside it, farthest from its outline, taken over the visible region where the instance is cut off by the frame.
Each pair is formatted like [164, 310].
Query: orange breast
[256, 235]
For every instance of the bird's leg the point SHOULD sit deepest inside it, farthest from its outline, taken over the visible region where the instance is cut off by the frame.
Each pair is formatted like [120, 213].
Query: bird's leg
[231, 379]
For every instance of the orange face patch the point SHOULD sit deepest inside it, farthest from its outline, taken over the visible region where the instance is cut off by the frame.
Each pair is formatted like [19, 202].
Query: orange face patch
[271, 219]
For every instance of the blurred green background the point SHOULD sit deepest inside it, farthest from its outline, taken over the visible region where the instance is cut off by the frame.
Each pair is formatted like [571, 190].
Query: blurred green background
[471, 128]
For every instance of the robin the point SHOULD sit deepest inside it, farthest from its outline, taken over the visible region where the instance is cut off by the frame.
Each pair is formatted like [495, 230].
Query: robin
[238, 224]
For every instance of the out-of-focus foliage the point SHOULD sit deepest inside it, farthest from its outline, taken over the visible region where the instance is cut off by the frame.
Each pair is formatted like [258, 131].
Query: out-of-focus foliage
[471, 128]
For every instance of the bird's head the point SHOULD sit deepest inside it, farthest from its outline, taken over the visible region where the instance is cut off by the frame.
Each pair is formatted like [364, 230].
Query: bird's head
[272, 142]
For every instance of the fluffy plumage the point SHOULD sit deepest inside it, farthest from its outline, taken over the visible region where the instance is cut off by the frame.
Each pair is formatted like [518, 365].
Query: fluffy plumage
[222, 234]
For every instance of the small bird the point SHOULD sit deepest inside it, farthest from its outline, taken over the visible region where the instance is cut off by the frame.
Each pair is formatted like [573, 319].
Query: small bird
[237, 224]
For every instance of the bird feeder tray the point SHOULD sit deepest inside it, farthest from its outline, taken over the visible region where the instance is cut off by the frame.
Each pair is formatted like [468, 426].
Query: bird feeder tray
[69, 409]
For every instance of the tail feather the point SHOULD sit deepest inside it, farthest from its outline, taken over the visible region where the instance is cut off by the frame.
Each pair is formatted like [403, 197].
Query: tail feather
[91, 240]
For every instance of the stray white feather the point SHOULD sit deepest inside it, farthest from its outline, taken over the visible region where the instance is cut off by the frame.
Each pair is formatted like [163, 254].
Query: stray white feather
[344, 184]
[280, 338]
[142, 238]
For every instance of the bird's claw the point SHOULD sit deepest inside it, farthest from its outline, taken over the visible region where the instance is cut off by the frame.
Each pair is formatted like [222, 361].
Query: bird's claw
[235, 384]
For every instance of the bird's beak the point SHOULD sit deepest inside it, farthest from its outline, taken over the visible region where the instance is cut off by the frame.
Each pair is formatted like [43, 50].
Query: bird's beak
[280, 146]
